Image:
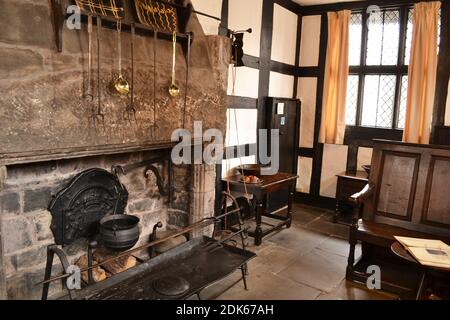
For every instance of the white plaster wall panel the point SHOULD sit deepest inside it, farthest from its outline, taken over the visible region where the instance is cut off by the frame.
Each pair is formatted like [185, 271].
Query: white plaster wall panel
[246, 83]
[228, 165]
[307, 90]
[243, 15]
[334, 162]
[246, 120]
[304, 174]
[281, 85]
[447, 112]
[364, 157]
[284, 36]
[310, 41]
[211, 7]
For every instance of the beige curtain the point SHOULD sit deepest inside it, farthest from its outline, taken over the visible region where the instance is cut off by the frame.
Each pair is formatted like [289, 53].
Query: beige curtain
[336, 73]
[422, 73]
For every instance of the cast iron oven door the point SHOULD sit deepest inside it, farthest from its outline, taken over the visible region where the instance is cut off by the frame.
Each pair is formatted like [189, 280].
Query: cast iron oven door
[78, 208]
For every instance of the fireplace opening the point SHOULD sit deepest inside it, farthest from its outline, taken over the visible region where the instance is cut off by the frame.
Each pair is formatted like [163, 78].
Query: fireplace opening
[59, 202]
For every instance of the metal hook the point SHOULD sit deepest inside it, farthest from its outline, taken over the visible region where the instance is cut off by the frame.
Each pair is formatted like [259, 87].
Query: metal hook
[130, 113]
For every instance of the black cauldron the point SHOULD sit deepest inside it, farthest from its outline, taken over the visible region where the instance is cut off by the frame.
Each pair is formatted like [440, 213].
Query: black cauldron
[119, 232]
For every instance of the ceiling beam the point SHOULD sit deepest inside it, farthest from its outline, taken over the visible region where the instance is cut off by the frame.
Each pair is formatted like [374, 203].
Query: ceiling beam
[290, 5]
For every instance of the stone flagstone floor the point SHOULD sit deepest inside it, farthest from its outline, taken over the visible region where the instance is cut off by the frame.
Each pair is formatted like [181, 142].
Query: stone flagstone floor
[305, 262]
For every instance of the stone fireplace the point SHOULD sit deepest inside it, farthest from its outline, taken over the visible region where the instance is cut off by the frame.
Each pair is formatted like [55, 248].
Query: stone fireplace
[29, 190]
[48, 136]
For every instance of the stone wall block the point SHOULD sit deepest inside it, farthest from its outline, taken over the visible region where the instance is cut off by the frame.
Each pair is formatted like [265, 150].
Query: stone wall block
[26, 22]
[9, 265]
[204, 179]
[181, 201]
[16, 287]
[9, 202]
[41, 223]
[23, 286]
[134, 181]
[142, 205]
[202, 200]
[181, 178]
[32, 173]
[71, 167]
[37, 199]
[16, 235]
[16, 63]
[34, 257]
[178, 218]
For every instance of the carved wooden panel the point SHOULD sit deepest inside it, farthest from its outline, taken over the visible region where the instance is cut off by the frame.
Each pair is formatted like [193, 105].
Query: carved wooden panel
[398, 184]
[411, 183]
[436, 209]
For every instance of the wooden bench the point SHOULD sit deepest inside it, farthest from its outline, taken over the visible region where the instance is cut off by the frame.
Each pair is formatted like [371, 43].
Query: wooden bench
[408, 195]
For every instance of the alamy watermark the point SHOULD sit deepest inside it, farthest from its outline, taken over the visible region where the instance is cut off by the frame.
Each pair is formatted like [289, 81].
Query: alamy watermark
[374, 280]
[374, 12]
[185, 152]
[73, 282]
[74, 18]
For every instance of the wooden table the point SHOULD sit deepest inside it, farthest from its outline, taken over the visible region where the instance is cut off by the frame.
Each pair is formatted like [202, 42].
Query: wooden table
[348, 183]
[279, 181]
[399, 250]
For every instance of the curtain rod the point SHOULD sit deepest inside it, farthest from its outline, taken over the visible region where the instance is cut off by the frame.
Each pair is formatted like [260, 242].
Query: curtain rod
[355, 6]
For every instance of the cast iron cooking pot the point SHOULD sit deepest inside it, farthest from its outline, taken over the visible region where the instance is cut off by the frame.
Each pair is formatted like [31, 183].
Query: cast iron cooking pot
[119, 232]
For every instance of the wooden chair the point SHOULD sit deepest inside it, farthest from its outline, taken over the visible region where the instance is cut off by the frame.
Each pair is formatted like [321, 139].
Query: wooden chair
[408, 195]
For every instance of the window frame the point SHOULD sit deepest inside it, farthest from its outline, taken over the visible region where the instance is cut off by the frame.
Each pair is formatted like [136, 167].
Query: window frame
[399, 70]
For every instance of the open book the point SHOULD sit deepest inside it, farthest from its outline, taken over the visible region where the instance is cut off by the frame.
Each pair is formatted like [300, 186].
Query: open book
[434, 253]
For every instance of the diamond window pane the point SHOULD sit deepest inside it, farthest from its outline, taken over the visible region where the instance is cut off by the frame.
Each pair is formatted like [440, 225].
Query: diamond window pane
[374, 38]
[391, 36]
[355, 32]
[352, 100]
[379, 99]
[409, 30]
[383, 37]
[403, 100]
